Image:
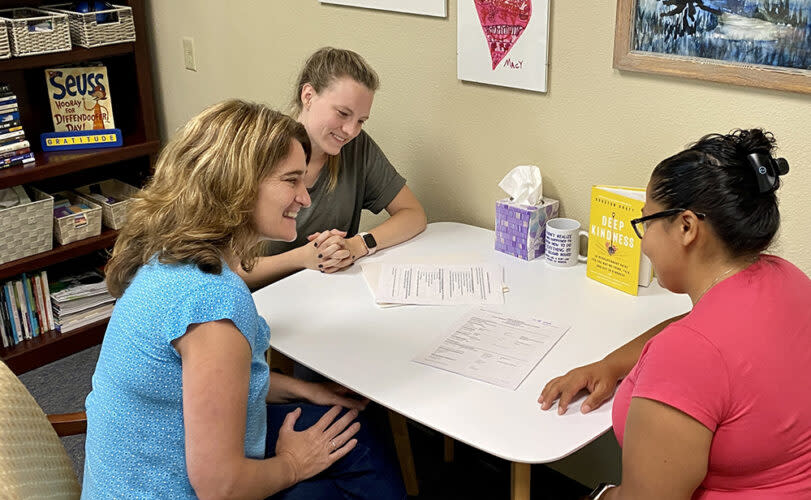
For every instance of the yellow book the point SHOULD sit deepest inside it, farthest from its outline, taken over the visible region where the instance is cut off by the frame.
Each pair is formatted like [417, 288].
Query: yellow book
[615, 251]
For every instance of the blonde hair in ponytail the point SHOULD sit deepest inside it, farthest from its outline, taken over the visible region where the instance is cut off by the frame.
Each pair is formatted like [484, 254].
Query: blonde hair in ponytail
[321, 70]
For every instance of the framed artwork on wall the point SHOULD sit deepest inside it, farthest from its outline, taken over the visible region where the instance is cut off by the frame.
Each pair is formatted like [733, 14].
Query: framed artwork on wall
[503, 42]
[757, 43]
[438, 8]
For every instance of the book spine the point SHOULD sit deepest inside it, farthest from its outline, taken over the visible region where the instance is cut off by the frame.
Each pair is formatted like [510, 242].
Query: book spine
[18, 159]
[12, 135]
[36, 284]
[31, 304]
[19, 297]
[32, 282]
[16, 328]
[5, 332]
[48, 308]
[9, 107]
[7, 117]
[14, 146]
[11, 154]
[9, 126]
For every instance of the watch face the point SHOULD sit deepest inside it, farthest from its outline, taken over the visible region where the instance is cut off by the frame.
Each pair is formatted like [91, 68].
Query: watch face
[369, 240]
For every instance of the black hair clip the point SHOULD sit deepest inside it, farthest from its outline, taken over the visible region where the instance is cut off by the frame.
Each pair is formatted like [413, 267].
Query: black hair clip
[767, 169]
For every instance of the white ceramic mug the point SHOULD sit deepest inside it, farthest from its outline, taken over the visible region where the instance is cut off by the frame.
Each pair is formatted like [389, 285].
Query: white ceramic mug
[563, 242]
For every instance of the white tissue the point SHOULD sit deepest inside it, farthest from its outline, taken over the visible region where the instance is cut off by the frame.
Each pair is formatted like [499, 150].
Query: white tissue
[524, 185]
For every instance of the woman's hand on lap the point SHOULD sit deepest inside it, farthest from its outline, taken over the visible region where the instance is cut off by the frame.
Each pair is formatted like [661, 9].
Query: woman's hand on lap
[314, 449]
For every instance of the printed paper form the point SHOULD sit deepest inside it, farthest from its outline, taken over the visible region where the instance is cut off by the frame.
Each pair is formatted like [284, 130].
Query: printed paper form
[494, 347]
[440, 284]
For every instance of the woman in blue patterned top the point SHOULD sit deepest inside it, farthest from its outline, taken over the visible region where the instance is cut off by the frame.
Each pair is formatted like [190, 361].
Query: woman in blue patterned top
[179, 406]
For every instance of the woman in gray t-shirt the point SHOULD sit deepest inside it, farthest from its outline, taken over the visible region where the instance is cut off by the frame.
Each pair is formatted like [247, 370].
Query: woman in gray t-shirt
[346, 174]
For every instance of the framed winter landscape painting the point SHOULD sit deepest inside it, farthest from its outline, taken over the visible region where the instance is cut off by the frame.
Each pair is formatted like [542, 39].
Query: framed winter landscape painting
[503, 42]
[436, 8]
[758, 43]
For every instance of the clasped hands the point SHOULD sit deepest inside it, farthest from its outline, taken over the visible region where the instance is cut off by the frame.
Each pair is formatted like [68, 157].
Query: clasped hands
[331, 251]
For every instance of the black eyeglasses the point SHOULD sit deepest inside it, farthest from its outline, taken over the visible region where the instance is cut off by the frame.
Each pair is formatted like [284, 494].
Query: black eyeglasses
[640, 225]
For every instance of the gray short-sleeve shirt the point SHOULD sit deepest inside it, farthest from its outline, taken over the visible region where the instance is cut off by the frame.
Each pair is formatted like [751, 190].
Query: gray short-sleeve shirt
[367, 180]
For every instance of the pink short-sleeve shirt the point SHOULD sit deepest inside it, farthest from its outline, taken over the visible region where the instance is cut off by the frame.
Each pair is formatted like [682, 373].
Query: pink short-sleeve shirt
[739, 363]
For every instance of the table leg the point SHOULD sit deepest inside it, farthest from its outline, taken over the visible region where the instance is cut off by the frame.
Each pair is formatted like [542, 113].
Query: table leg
[448, 450]
[519, 481]
[402, 443]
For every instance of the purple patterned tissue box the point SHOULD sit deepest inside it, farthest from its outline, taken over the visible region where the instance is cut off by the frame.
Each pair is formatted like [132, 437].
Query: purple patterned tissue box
[520, 229]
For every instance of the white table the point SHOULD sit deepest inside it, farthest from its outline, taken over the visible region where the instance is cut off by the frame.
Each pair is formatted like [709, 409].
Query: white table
[331, 324]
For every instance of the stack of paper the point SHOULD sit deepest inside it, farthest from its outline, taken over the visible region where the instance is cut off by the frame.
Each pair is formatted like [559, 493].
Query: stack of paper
[80, 299]
[432, 284]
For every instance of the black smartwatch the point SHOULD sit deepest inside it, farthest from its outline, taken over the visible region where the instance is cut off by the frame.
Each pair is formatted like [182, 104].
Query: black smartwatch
[599, 490]
[369, 241]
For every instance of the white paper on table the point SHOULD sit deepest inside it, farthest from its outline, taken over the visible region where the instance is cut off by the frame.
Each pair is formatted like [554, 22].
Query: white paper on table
[493, 347]
[429, 284]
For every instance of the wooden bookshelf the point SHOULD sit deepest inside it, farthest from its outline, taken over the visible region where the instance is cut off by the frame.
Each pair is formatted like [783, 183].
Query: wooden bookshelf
[130, 79]
[59, 253]
[51, 346]
[55, 164]
[77, 54]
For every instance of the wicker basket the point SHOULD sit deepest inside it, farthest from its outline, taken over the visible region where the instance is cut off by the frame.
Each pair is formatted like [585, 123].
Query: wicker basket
[52, 34]
[5, 48]
[79, 226]
[27, 229]
[113, 214]
[86, 31]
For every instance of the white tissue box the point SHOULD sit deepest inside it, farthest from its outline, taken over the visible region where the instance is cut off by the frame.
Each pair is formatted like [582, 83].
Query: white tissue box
[520, 229]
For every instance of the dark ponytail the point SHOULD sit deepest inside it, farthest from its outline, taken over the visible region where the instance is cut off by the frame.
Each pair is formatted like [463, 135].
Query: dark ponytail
[718, 177]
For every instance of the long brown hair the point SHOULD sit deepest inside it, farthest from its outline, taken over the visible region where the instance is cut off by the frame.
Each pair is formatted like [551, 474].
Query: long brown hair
[321, 70]
[198, 207]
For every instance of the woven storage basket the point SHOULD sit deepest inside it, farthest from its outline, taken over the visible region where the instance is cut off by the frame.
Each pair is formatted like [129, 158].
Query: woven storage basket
[5, 47]
[113, 214]
[27, 229]
[77, 226]
[86, 31]
[53, 34]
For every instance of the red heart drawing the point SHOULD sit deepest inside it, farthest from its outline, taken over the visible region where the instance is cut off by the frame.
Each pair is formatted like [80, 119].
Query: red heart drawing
[503, 22]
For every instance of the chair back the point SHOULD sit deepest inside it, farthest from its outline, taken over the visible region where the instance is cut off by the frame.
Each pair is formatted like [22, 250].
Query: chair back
[33, 462]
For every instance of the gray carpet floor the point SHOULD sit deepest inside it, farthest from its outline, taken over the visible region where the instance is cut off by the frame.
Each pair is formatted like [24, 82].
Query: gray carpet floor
[61, 387]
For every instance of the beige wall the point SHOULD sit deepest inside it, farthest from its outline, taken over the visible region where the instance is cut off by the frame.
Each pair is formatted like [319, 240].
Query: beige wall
[455, 140]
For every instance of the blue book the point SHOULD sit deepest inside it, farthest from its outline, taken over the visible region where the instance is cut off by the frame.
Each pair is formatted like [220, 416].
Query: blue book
[7, 117]
[32, 305]
[11, 316]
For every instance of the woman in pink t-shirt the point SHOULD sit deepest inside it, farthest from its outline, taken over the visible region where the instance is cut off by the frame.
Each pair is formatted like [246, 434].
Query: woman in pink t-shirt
[714, 404]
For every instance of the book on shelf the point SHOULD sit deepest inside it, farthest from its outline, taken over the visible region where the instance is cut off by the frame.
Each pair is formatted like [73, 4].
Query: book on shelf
[5, 327]
[615, 251]
[30, 304]
[10, 126]
[14, 148]
[80, 98]
[28, 308]
[25, 311]
[22, 309]
[8, 117]
[13, 318]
